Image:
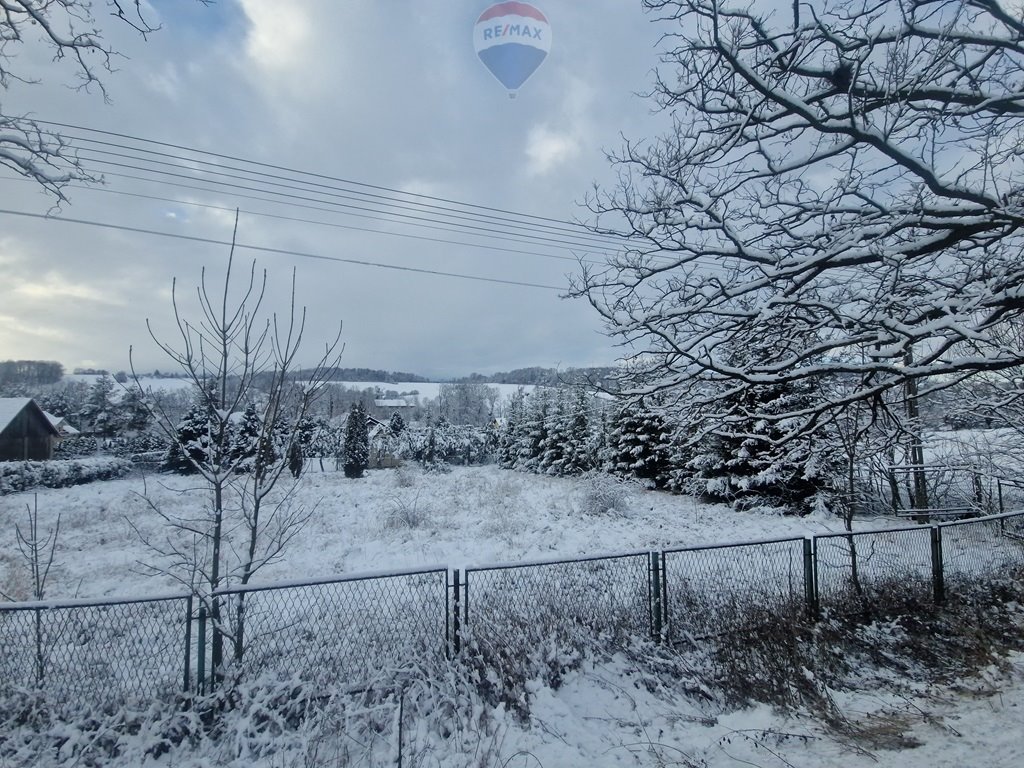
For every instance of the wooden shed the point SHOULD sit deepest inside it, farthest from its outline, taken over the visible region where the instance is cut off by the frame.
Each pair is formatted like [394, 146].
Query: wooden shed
[25, 432]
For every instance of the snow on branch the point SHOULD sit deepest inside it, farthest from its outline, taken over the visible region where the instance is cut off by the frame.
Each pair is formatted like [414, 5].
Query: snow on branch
[844, 179]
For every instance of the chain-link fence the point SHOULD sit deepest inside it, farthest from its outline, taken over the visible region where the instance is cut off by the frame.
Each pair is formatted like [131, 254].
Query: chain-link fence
[859, 571]
[714, 590]
[330, 630]
[517, 606]
[982, 549]
[353, 629]
[96, 650]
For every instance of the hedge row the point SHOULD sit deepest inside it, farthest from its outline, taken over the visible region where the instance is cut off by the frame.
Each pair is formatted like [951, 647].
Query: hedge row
[77, 447]
[23, 475]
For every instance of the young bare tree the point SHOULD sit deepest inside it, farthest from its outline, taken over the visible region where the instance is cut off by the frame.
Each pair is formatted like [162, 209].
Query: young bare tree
[848, 172]
[37, 552]
[237, 358]
[71, 30]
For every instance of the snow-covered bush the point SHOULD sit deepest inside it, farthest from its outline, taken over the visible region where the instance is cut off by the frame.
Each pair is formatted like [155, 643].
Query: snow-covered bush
[604, 494]
[76, 447]
[22, 476]
[445, 443]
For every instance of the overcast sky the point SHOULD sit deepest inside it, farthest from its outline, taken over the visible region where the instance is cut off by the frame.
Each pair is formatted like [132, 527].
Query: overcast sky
[386, 92]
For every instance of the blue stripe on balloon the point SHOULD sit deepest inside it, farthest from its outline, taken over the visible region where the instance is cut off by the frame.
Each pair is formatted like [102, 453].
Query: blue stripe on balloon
[512, 63]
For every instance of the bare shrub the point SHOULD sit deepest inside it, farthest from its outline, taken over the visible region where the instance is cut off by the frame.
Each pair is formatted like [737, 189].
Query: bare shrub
[405, 476]
[604, 494]
[408, 513]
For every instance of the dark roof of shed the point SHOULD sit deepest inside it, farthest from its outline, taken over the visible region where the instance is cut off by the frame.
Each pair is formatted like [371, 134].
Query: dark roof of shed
[10, 407]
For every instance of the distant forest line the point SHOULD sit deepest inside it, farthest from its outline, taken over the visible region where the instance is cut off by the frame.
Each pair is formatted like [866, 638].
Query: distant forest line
[32, 372]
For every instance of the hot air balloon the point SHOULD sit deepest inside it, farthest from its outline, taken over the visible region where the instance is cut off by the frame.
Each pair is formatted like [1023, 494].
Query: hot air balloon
[512, 39]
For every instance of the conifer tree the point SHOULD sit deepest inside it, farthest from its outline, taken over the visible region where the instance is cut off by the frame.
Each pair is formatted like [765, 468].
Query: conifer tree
[577, 450]
[552, 447]
[135, 412]
[397, 424]
[747, 460]
[99, 414]
[511, 434]
[245, 437]
[357, 442]
[641, 441]
[534, 430]
[193, 444]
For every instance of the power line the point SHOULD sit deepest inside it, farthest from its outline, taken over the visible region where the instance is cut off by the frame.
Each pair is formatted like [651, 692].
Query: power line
[362, 209]
[278, 251]
[180, 185]
[577, 233]
[708, 263]
[574, 227]
[261, 214]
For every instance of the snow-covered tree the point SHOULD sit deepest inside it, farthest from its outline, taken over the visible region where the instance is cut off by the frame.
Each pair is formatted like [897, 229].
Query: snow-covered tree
[510, 437]
[245, 439]
[467, 403]
[851, 171]
[100, 414]
[567, 448]
[552, 458]
[135, 412]
[641, 441]
[357, 442]
[396, 424]
[579, 440]
[534, 430]
[744, 460]
[192, 445]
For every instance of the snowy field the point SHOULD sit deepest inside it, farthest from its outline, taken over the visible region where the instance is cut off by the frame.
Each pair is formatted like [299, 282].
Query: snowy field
[422, 389]
[602, 714]
[391, 519]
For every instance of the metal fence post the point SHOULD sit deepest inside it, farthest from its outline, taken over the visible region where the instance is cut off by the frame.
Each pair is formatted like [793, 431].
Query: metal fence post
[938, 577]
[456, 626]
[201, 662]
[810, 577]
[188, 645]
[654, 586]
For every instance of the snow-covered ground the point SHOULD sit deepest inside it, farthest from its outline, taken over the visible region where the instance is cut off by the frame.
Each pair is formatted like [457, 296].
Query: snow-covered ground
[601, 717]
[423, 389]
[390, 519]
[603, 714]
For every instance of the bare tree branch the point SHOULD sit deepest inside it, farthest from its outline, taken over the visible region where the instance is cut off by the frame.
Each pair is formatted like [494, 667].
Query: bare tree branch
[848, 175]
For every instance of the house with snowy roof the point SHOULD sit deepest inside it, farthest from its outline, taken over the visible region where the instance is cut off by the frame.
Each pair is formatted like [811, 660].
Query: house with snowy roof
[63, 427]
[26, 434]
[394, 403]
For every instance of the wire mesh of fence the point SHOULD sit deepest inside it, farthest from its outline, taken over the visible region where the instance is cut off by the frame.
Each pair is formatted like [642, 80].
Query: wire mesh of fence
[351, 630]
[855, 572]
[731, 588]
[518, 606]
[346, 629]
[95, 651]
[983, 549]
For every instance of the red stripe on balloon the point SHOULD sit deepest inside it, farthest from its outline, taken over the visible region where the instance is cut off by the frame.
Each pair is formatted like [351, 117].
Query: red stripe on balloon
[512, 9]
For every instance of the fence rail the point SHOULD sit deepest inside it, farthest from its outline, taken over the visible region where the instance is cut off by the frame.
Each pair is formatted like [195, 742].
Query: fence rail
[351, 627]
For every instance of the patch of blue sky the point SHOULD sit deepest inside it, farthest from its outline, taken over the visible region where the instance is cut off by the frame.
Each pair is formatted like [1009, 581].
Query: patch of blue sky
[204, 20]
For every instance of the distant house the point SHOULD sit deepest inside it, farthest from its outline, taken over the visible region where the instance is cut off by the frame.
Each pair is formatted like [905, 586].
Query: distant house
[379, 434]
[26, 434]
[61, 424]
[394, 403]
